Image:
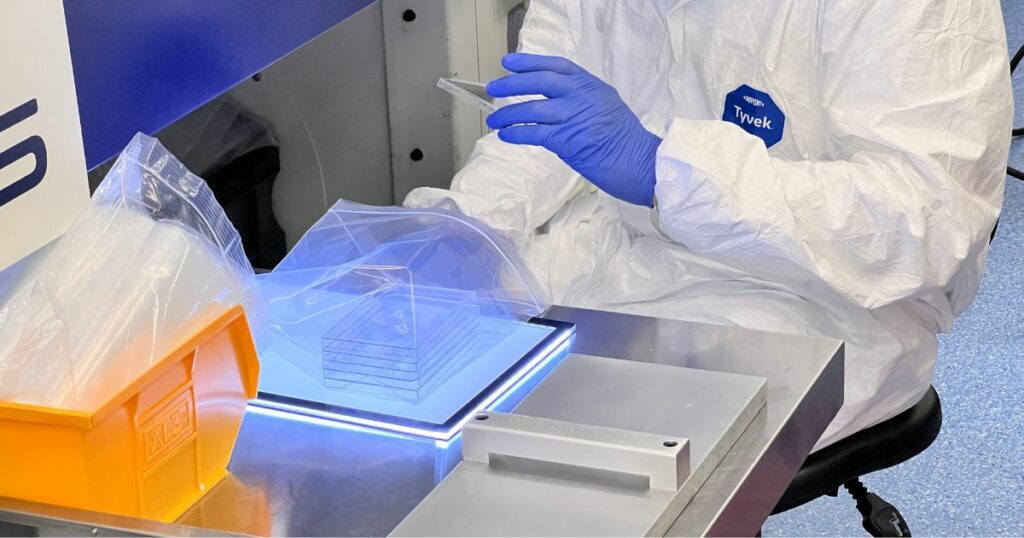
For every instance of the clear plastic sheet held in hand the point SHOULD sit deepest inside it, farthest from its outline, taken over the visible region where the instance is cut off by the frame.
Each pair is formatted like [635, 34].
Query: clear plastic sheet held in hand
[400, 312]
[152, 259]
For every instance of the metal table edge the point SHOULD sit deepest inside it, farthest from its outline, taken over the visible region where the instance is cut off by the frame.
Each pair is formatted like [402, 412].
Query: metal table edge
[737, 508]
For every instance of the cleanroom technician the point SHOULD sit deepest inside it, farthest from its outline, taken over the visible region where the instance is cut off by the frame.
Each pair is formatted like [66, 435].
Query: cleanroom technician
[810, 167]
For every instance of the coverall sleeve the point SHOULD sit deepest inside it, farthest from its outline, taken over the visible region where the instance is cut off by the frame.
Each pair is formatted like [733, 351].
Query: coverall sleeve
[512, 188]
[919, 111]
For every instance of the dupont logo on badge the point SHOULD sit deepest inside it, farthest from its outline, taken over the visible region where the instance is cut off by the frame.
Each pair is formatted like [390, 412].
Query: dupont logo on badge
[756, 113]
[753, 101]
[169, 428]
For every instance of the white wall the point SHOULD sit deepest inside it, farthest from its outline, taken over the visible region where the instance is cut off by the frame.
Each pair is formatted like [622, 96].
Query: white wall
[349, 107]
[462, 39]
[478, 40]
[326, 104]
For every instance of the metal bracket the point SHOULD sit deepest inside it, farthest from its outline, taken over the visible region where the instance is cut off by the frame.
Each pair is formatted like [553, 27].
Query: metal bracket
[664, 460]
[516, 17]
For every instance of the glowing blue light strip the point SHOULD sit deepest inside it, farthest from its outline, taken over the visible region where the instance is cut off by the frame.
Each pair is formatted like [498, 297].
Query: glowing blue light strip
[334, 423]
[340, 420]
[519, 379]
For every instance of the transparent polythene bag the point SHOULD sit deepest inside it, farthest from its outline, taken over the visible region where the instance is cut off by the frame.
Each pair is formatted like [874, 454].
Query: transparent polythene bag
[151, 260]
[390, 301]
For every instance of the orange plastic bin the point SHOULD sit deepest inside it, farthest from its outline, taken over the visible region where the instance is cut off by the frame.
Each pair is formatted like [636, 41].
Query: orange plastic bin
[152, 450]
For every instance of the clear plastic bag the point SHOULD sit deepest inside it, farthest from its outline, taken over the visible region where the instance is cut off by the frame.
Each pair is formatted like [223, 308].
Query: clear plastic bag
[391, 302]
[151, 260]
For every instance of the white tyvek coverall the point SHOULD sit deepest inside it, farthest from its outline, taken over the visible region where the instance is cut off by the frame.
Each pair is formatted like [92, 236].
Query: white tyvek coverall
[869, 221]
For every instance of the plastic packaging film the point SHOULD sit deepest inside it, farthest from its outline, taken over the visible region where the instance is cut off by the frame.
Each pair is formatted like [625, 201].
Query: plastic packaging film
[383, 302]
[391, 302]
[152, 256]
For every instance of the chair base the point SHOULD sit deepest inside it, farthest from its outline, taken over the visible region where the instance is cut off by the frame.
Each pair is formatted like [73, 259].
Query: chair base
[879, 517]
[879, 447]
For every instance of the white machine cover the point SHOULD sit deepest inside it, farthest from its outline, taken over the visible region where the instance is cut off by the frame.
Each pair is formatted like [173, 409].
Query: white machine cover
[868, 221]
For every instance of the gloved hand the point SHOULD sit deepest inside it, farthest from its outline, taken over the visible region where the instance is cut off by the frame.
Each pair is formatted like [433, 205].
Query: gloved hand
[583, 121]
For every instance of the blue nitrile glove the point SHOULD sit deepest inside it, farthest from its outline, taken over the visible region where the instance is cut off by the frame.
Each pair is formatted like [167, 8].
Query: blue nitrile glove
[583, 121]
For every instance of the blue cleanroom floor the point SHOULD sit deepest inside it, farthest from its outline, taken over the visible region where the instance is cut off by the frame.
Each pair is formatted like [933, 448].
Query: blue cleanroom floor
[971, 481]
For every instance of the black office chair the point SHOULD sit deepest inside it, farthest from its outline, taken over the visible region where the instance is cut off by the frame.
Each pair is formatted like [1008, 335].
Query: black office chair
[879, 447]
[882, 446]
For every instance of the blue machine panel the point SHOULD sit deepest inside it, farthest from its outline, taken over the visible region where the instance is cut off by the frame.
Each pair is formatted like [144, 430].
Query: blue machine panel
[139, 66]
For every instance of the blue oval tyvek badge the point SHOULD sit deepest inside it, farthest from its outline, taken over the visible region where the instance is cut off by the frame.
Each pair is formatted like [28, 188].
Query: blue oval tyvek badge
[756, 113]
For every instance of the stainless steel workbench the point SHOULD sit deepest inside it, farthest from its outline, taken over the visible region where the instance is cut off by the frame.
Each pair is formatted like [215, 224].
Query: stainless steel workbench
[307, 479]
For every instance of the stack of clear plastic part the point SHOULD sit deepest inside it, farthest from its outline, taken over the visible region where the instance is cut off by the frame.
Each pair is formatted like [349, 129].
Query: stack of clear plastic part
[402, 320]
[400, 341]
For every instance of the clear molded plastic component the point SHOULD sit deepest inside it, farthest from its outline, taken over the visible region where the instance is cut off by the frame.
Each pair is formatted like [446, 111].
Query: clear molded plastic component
[475, 94]
[399, 341]
[393, 303]
[472, 93]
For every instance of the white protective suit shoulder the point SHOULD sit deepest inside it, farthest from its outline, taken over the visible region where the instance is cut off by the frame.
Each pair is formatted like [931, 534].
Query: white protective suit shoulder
[868, 220]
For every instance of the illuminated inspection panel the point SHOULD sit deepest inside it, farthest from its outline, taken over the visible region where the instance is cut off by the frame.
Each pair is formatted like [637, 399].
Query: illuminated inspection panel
[401, 320]
[496, 375]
